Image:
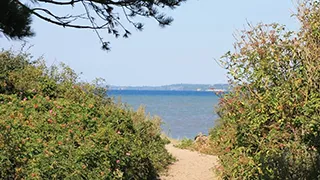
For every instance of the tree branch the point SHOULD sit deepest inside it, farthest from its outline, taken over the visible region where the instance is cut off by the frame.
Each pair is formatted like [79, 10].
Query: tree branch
[72, 2]
[66, 24]
[105, 10]
[105, 45]
[60, 23]
[60, 18]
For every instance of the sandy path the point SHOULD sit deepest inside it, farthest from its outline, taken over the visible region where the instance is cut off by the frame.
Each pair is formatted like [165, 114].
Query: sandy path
[190, 165]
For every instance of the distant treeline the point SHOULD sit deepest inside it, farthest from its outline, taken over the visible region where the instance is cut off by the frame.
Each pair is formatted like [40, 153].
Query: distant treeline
[181, 87]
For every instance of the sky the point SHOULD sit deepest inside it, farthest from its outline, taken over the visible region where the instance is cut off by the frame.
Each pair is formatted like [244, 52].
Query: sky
[185, 52]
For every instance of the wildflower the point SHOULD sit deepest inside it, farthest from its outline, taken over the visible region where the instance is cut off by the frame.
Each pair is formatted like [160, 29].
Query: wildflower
[118, 161]
[128, 153]
[281, 145]
[118, 132]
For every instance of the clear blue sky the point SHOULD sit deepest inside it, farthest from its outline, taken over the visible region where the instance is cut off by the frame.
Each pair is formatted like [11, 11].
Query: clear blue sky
[181, 53]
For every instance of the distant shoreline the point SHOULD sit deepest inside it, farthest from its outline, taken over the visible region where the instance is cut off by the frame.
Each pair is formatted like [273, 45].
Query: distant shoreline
[215, 90]
[177, 87]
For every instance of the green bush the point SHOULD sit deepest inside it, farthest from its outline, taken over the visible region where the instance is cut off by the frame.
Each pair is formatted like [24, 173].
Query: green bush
[270, 121]
[54, 127]
[10, 62]
[185, 143]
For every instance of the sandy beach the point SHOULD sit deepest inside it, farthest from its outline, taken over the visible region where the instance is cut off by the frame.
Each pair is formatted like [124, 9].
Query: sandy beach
[190, 165]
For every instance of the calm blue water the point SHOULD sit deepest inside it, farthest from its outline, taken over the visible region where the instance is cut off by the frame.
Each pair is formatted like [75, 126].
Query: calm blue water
[184, 113]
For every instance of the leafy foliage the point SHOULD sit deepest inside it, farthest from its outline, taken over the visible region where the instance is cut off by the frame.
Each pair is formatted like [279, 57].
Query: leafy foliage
[15, 20]
[54, 127]
[185, 143]
[269, 126]
[201, 144]
[9, 63]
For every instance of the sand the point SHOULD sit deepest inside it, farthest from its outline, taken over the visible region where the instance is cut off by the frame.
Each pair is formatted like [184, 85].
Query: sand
[190, 165]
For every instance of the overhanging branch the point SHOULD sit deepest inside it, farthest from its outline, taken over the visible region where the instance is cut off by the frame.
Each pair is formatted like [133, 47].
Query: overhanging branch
[106, 11]
[72, 2]
[60, 23]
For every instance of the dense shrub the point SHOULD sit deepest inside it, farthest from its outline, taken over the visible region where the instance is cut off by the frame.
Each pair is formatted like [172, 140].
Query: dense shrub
[201, 143]
[54, 127]
[270, 121]
[10, 62]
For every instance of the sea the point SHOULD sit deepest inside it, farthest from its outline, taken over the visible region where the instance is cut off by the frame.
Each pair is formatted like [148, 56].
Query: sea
[185, 114]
